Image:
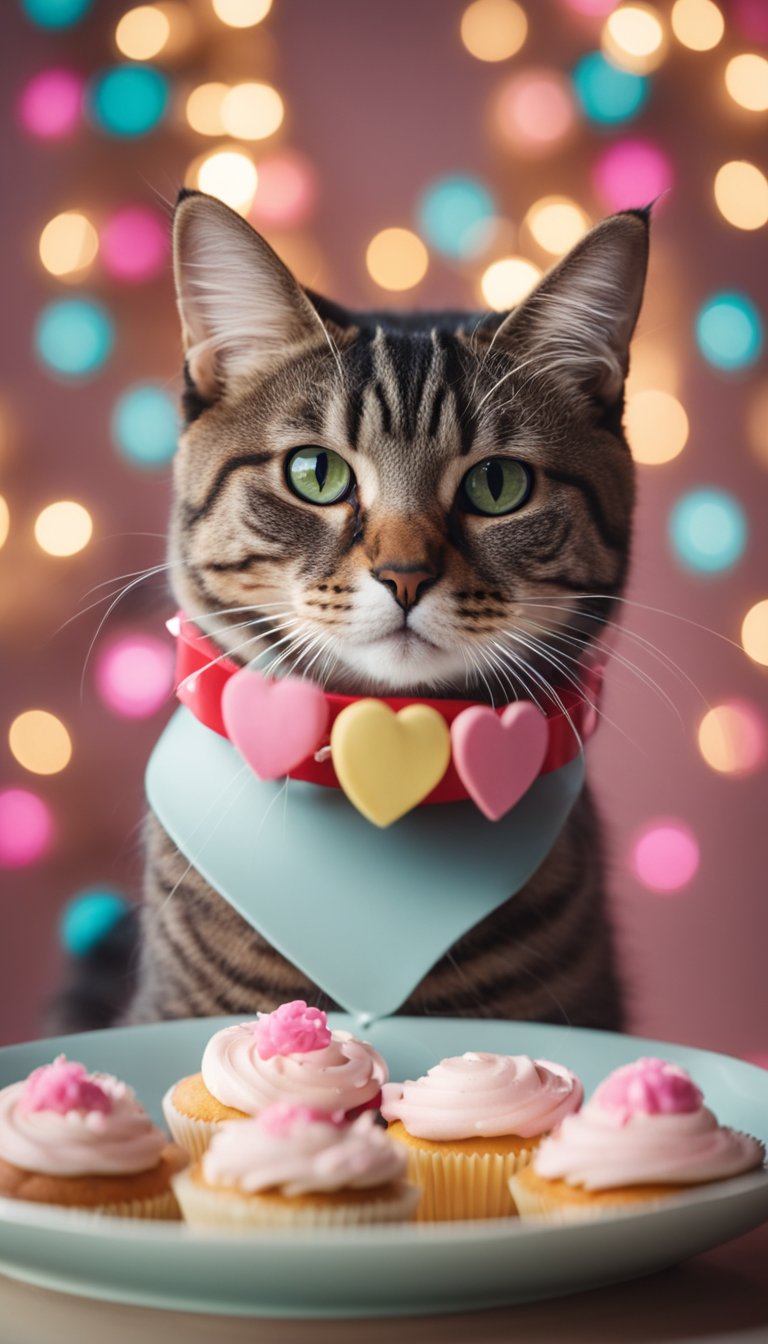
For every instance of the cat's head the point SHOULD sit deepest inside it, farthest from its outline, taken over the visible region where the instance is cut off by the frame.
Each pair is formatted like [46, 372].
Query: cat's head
[402, 502]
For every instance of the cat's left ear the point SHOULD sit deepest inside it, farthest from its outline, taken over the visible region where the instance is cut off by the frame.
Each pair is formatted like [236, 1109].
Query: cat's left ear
[578, 322]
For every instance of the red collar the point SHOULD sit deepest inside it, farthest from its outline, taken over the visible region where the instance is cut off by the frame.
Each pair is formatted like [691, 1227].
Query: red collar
[202, 673]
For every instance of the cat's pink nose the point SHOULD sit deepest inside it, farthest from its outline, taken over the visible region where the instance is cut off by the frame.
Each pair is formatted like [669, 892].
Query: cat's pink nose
[407, 584]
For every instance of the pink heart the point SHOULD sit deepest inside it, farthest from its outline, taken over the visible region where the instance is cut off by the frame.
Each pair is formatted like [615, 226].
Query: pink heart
[275, 725]
[497, 757]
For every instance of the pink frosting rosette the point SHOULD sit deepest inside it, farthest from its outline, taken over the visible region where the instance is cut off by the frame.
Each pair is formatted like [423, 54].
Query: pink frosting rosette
[291, 1055]
[645, 1125]
[63, 1121]
[483, 1096]
[299, 1150]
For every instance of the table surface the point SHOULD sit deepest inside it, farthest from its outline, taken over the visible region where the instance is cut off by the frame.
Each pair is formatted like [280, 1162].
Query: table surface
[718, 1298]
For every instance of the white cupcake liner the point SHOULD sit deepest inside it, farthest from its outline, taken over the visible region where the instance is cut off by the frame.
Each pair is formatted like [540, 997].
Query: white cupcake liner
[464, 1185]
[192, 1135]
[206, 1206]
[540, 1204]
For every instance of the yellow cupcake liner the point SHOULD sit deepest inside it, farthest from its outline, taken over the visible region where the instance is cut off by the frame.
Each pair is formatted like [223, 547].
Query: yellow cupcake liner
[163, 1206]
[538, 1204]
[464, 1185]
[206, 1206]
[192, 1135]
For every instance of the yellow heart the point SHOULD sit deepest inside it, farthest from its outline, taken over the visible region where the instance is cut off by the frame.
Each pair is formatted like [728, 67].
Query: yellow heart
[387, 762]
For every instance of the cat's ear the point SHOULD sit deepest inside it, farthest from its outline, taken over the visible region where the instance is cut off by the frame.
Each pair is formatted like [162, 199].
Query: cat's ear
[577, 324]
[240, 307]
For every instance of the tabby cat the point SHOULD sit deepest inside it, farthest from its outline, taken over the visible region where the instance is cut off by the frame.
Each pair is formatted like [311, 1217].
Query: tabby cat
[411, 503]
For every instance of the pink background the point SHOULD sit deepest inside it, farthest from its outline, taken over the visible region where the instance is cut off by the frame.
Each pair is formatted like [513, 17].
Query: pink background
[383, 99]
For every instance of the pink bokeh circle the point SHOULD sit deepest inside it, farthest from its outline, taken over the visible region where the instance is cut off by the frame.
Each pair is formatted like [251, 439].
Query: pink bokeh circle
[26, 828]
[51, 103]
[134, 244]
[665, 855]
[593, 9]
[631, 173]
[287, 189]
[535, 110]
[134, 675]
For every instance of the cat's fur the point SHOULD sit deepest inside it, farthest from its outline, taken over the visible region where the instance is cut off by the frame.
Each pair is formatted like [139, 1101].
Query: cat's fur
[411, 401]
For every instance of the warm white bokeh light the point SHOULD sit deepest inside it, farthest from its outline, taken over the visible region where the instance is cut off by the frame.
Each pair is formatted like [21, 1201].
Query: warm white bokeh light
[142, 33]
[396, 259]
[68, 244]
[5, 521]
[633, 38]
[228, 174]
[657, 426]
[40, 742]
[697, 24]
[746, 79]
[63, 528]
[241, 13]
[493, 30]
[732, 738]
[655, 364]
[252, 111]
[507, 281]
[754, 633]
[757, 424]
[741, 194]
[203, 110]
[556, 223]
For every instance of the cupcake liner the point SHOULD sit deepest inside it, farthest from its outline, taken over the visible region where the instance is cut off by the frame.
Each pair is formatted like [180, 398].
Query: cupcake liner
[540, 1204]
[160, 1206]
[206, 1206]
[191, 1135]
[464, 1185]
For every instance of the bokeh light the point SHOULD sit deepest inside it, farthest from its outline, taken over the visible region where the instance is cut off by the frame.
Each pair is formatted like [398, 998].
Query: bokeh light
[142, 33]
[634, 39]
[697, 24]
[135, 243]
[592, 9]
[203, 108]
[729, 331]
[708, 530]
[51, 103]
[396, 259]
[665, 855]
[757, 424]
[287, 190]
[5, 521]
[655, 364]
[134, 675]
[657, 426]
[63, 528]
[88, 917]
[733, 738]
[40, 742]
[506, 281]
[631, 173]
[145, 425]
[608, 95]
[229, 174]
[534, 111]
[746, 79]
[129, 100]
[252, 111]
[452, 212]
[56, 13]
[74, 337]
[493, 30]
[741, 194]
[754, 633]
[556, 223]
[68, 244]
[26, 828]
[241, 13]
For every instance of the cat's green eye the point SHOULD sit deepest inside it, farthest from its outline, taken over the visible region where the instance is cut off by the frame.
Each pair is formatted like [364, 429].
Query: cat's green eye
[496, 486]
[319, 475]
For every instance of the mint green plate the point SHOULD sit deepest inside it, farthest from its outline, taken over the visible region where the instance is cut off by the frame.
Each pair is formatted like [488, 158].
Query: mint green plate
[378, 1271]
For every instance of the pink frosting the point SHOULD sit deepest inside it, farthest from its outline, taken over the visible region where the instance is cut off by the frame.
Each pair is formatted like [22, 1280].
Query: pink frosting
[483, 1095]
[297, 1154]
[61, 1087]
[79, 1140]
[342, 1075]
[291, 1029]
[645, 1125]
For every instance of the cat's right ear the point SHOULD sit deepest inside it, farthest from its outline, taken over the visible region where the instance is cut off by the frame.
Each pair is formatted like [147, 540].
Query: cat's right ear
[240, 307]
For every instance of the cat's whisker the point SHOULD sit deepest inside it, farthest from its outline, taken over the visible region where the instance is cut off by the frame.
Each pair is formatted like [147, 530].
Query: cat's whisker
[117, 593]
[546, 686]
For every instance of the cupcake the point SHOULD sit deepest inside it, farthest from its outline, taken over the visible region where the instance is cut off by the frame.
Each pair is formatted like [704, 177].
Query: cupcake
[82, 1141]
[644, 1135]
[289, 1055]
[471, 1122]
[293, 1166]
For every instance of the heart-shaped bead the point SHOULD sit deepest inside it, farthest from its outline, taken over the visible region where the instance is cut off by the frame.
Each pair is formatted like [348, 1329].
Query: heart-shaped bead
[275, 725]
[497, 756]
[387, 762]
